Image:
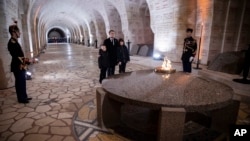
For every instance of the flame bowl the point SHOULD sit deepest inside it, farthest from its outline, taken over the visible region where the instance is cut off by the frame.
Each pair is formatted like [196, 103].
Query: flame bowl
[161, 70]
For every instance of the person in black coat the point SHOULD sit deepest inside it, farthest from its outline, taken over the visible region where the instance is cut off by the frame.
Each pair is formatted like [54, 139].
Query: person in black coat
[103, 62]
[111, 44]
[18, 64]
[122, 56]
[189, 51]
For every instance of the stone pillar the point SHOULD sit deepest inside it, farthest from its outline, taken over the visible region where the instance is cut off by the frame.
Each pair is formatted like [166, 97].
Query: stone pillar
[25, 36]
[136, 24]
[108, 110]
[93, 33]
[100, 30]
[171, 124]
[100, 94]
[204, 21]
[8, 10]
[169, 20]
[230, 114]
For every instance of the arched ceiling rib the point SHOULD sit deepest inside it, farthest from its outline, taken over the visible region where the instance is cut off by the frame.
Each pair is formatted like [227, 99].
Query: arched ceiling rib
[70, 12]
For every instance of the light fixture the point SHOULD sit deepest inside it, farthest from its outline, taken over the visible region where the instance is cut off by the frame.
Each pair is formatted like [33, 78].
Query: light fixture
[158, 56]
[28, 75]
[36, 60]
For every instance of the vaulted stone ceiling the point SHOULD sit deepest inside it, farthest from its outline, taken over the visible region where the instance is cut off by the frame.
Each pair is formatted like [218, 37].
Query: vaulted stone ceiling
[103, 14]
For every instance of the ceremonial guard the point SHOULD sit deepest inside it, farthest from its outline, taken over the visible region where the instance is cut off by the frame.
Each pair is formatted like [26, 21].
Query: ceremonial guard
[189, 51]
[18, 64]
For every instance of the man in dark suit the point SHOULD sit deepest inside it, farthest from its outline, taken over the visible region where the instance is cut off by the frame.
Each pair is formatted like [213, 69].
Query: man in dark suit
[18, 64]
[112, 43]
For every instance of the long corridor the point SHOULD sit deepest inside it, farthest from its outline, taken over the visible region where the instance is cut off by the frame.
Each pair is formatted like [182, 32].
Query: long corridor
[63, 91]
[63, 107]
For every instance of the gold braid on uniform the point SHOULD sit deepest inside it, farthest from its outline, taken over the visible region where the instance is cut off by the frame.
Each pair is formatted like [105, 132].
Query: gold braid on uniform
[192, 43]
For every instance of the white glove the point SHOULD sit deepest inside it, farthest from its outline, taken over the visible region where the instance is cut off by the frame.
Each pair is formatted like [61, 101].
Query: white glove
[191, 59]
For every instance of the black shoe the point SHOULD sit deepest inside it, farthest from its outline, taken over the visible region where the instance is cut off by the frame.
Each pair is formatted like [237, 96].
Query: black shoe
[29, 98]
[26, 101]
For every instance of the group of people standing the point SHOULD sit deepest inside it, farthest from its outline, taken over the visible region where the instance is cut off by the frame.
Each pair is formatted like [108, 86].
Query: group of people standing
[112, 52]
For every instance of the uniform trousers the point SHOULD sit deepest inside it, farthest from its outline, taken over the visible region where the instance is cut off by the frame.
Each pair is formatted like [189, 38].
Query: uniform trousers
[20, 85]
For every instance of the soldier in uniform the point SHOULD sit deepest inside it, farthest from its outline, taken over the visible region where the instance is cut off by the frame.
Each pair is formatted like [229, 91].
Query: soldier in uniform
[18, 64]
[189, 51]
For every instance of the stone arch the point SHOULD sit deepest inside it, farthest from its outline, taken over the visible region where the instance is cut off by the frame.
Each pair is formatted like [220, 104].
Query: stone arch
[114, 19]
[133, 26]
[148, 35]
[85, 33]
[100, 27]
[56, 33]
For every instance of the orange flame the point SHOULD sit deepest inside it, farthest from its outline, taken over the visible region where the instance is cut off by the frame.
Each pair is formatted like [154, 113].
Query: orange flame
[166, 65]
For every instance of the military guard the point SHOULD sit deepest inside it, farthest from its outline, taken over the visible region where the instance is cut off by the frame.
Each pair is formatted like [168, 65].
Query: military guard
[189, 51]
[18, 64]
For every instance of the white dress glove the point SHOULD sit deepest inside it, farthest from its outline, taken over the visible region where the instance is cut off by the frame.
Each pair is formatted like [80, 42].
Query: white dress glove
[191, 59]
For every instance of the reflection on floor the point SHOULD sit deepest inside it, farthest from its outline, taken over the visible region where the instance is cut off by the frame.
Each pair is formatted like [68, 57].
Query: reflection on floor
[63, 106]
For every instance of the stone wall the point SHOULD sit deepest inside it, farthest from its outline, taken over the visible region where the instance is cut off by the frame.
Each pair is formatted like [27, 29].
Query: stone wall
[169, 20]
[230, 28]
[8, 11]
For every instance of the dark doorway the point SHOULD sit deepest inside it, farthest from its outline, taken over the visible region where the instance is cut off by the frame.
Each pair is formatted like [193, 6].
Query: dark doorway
[56, 35]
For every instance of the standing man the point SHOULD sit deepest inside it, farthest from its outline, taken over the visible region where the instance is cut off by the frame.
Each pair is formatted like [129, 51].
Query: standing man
[112, 43]
[18, 64]
[189, 51]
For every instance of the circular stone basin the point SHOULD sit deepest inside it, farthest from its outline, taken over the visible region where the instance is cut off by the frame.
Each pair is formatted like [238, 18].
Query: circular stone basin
[155, 90]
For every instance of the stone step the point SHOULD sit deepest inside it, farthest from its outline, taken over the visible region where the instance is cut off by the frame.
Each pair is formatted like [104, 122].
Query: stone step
[241, 90]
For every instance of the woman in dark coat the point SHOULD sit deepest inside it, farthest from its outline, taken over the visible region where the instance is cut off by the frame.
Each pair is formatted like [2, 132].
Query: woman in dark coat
[103, 62]
[122, 56]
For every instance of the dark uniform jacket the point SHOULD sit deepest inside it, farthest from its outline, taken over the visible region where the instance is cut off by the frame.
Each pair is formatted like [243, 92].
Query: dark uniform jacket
[189, 48]
[122, 54]
[112, 50]
[103, 60]
[16, 53]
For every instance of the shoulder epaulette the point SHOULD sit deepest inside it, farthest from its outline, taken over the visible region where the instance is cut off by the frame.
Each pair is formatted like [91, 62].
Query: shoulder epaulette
[12, 41]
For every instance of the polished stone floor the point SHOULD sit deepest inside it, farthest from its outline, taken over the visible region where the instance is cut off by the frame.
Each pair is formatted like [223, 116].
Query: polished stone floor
[63, 91]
